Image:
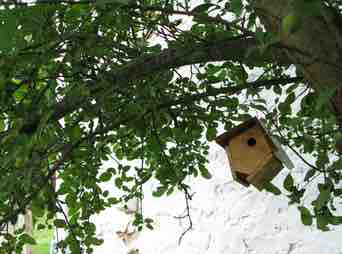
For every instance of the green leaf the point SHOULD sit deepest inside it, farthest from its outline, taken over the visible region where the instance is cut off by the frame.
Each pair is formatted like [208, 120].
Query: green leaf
[148, 220]
[160, 191]
[27, 239]
[322, 199]
[41, 226]
[118, 182]
[290, 98]
[259, 107]
[322, 222]
[71, 201]
[169, 191]
[335, 220]
[284, 108]
[309, 174]
[305, 215]
[309, 143]
[97, 241]
[202, 8]
[149, 226]
[20, 93]
[243, 117]
[237, 6]
[113, 201]
[324, 97]
[290, 23]
[37, 208]
[288, 183]
[2, 125]
[205, 173]
[106, 176]
[277, 89]
[272, 188]
[59, 223]
[338, 192]
[211, 133]
[322, 160]
[7, 30]
[123, 2]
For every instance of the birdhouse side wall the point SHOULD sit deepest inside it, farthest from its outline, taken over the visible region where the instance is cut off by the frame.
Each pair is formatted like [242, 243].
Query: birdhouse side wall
[266, 174]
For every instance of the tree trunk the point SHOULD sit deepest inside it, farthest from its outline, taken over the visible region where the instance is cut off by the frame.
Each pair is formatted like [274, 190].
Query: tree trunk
[315, 47]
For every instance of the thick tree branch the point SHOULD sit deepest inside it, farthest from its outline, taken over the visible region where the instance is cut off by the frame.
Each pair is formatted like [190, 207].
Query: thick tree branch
[230, 49]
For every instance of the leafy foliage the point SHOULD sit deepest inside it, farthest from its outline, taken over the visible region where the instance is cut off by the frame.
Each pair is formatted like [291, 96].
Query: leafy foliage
[83, 83]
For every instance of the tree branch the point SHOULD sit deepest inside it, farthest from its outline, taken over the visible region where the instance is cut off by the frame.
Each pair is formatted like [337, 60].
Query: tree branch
[187, 197]
[233, 49]
[230, 90]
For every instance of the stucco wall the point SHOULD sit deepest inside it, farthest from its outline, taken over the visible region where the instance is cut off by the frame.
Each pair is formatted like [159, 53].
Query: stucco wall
[227, 218]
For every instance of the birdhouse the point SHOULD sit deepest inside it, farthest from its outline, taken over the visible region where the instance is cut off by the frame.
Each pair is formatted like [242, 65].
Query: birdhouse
[254, 156]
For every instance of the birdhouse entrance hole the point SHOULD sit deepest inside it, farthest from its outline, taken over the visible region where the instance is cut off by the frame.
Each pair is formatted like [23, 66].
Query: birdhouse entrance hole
[251, 141]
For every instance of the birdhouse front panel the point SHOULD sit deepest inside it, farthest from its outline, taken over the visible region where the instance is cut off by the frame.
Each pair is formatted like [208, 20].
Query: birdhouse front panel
[249, 150]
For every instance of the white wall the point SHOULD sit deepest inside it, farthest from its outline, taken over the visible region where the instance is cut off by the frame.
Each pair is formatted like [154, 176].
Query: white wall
[227, 218]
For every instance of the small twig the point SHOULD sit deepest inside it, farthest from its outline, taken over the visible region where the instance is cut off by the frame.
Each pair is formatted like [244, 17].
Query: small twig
[180, 217]
[142, 168]
[188, 197]
[184, 216]
[294, 150]
[114, 159]
[60, 208]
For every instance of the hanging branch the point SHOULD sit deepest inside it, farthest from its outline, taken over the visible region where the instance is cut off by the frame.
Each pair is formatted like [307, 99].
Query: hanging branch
[71, 230]
[142, 168]
[184, 187]
[188, 198]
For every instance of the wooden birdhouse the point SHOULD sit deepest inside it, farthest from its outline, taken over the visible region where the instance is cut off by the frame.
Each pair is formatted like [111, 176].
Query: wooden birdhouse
[254, 156]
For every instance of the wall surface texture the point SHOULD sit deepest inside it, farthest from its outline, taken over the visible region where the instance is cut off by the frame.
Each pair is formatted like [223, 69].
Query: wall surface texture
[227, 218]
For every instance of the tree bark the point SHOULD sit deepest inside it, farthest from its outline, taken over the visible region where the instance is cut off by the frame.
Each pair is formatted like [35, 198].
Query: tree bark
[315, 47]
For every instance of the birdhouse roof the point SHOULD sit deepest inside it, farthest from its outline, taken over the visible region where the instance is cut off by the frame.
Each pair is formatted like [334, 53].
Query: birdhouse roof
[223, 139]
